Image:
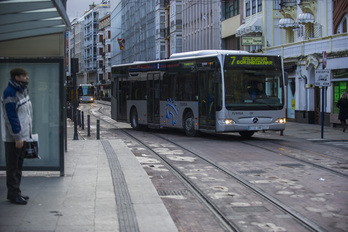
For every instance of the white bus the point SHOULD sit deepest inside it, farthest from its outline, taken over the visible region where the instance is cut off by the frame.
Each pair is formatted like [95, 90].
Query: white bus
[213, 91]
[86, 93]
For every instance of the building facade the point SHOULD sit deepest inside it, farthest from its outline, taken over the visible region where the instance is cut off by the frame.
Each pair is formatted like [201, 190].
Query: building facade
[84, 46]
[104, 58]
[201, 25]
[310, 43]
[231, 19]
[173, 27]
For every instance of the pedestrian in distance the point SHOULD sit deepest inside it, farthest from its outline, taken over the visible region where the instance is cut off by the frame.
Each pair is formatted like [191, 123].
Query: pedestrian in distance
[16, 128]
[342, 104]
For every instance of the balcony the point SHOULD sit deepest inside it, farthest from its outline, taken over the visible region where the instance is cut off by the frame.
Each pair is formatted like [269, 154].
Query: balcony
[331, 44]
[166, 32]
[166, 4]
[107, 55]
[288, 3]
[308, 6]
[288, 8]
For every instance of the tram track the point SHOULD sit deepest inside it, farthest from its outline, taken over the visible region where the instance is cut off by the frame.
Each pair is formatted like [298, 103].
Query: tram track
[226, 224]
[344, 175]
[308, 224]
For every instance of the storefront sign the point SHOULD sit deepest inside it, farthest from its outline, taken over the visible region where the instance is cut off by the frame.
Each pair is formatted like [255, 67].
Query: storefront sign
[252, 40]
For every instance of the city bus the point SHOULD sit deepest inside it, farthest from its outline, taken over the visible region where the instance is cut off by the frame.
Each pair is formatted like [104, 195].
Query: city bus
[213, 91]
[86, 93]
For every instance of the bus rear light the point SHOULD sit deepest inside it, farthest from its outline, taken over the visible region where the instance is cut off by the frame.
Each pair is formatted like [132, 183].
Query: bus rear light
[280, 120]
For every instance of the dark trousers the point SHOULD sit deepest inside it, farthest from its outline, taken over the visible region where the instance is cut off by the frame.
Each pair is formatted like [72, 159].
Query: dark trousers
[14, 165]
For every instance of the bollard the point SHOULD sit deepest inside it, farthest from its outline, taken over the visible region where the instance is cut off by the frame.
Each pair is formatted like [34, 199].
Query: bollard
[79, 118]
[83, 120]
[88, 125]
[281, 133]
[98, 129]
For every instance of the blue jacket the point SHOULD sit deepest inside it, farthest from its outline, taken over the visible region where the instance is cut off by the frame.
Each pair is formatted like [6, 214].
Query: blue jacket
[16, 112]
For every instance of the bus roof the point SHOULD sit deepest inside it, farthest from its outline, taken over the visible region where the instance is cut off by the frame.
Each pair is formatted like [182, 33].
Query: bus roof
[193, 55]
[205, 53]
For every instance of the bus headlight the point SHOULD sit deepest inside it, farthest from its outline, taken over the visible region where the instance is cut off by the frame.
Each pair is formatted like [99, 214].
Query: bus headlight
[280, 120]
[226, 121]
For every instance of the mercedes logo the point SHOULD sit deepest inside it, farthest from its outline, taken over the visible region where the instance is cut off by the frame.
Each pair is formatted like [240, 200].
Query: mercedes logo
[255, 120]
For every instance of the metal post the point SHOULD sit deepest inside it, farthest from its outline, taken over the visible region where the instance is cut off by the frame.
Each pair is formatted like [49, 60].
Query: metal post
[83, 120]
[74, 107]
[98, 129]
[323, 111]
[74, 69]
[88, 125]
[79, 118]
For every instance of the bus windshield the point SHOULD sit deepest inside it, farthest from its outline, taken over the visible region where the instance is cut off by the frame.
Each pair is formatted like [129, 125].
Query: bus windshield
[86, 91]
[253, 89]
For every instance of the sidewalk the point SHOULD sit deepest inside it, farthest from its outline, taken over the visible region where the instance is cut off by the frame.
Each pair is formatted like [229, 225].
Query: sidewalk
[313, 132]
[104, 189]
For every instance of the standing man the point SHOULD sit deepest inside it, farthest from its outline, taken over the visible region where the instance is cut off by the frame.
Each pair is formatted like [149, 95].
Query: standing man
[342, 104]
[17, 111]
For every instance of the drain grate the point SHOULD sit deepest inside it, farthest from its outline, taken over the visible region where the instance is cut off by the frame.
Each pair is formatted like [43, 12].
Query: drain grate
[251, 172]
[292, 165]
[163, 193]
[250, 209]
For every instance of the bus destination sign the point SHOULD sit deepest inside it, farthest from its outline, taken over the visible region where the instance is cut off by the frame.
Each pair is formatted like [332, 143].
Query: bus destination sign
[250, 61]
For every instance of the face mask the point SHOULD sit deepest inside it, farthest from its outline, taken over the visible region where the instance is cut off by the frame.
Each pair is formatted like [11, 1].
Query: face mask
[24, 84]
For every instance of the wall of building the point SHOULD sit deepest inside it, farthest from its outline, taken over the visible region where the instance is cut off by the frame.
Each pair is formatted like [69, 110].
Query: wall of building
[201, 25]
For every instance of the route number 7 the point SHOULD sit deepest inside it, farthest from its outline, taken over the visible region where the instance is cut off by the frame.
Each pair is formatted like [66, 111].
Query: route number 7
[233, 59]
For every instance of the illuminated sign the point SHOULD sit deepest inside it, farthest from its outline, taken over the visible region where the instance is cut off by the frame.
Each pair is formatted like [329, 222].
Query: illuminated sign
[252, 40]
[249, 60]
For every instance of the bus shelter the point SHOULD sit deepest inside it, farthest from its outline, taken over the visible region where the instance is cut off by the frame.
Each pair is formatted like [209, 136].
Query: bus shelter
[33, 36]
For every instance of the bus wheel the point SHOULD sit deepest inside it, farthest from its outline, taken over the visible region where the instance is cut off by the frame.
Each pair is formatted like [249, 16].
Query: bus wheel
[246, 134]
[189, 125]
[134, 119]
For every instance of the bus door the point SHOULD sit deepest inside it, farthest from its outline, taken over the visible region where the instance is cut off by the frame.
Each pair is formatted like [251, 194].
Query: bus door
[207, 100]
[122, 98]
[153, 98]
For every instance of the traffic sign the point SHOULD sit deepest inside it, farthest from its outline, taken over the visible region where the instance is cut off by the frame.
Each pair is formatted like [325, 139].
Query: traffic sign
[323, 77]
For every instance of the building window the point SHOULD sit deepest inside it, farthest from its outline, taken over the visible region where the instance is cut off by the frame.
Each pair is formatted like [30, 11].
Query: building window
[231, 8]
[340, 85]
[259, 6]
[253, 6]
[276, 4]
[247, 8]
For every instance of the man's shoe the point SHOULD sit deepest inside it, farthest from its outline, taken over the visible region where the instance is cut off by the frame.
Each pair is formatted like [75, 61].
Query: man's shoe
[18, 200]
[25, 197]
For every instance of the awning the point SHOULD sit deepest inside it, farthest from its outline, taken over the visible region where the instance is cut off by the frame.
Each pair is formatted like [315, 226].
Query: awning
[27, 18]
[287, 22]
[305, 18]
[252, 26]
[240, 30]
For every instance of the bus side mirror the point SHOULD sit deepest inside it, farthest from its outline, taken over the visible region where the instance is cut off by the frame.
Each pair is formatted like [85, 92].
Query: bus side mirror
[286, 78]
